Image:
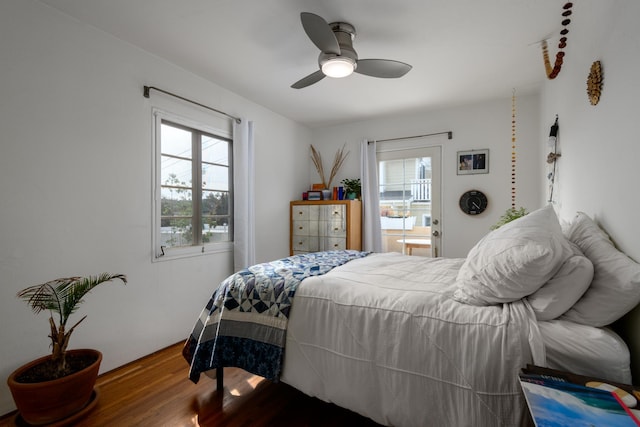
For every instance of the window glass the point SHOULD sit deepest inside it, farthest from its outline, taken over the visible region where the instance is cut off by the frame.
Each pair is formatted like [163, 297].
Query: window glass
[195, 183]
[405, 205]
[215, 151]
[215, 177]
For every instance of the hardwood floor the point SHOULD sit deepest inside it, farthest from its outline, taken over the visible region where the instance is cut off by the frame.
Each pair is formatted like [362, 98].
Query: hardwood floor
[155, 391]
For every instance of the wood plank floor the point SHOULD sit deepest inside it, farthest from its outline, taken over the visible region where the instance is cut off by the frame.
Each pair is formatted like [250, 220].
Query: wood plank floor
[155, 391]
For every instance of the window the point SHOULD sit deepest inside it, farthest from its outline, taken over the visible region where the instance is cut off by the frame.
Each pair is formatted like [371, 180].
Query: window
[194, 194]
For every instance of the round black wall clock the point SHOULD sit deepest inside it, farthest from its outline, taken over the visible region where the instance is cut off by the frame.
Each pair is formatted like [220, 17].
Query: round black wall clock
[473, 202]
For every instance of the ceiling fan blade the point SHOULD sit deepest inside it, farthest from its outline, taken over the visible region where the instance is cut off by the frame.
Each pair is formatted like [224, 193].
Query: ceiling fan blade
[385, 68]
[309, 80]
[319, 32]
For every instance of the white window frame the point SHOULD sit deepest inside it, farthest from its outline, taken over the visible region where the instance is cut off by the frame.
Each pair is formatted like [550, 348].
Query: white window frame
[161, 253]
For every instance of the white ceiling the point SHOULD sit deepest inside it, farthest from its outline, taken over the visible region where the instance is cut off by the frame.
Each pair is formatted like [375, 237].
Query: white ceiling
[462, 51]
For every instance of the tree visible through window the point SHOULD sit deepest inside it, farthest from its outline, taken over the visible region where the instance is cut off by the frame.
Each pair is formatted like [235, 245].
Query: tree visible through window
[195, 187]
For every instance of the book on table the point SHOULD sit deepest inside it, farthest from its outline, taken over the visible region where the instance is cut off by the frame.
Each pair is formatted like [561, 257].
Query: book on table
[556, 401]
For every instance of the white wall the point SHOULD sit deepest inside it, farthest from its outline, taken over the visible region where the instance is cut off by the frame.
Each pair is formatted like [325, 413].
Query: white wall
[479, 126]
[600, 144]
[598, 172]
[75, 186]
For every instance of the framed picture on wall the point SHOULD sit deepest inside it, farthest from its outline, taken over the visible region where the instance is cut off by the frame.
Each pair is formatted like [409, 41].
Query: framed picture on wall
[472, 162]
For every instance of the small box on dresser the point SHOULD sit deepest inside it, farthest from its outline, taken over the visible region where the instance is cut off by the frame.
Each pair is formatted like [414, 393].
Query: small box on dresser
[323, 225]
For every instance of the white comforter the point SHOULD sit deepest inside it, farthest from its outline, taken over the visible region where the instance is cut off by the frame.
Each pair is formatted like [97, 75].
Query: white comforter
[381, 336]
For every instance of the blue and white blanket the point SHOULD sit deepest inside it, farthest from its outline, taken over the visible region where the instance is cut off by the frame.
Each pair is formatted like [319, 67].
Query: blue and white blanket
[244, 323]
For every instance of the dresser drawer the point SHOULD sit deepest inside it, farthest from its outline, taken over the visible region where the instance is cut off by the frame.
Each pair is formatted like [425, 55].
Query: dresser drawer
[300, 213]
[305, 228]
[336, 228]
[336, 212]
[335, 244]
[305, 243]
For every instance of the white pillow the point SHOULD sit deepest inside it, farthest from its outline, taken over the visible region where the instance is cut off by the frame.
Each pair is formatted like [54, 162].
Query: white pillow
[615, 288]
[565, 288]
[585, 350]
[513, 261]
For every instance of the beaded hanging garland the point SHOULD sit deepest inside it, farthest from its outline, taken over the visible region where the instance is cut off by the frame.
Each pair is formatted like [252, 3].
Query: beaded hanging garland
[513, 150]
[552, 72]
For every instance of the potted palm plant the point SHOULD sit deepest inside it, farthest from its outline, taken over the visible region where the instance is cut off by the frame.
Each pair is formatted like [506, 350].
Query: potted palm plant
[60, 385]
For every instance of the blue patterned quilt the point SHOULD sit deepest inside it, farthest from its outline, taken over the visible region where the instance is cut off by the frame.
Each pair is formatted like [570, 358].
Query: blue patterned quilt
[244, 324]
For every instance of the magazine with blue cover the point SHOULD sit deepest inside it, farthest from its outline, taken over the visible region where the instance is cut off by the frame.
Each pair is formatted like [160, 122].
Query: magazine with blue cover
[554, 402]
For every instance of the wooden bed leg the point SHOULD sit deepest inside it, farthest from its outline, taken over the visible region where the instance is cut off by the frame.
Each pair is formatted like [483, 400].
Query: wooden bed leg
[219, 378]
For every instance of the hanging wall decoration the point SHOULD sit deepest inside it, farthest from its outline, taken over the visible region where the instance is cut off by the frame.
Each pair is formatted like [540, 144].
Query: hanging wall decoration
[512, 213]
[552, 72]
[553, 156]
[594, 82]
[513, 150]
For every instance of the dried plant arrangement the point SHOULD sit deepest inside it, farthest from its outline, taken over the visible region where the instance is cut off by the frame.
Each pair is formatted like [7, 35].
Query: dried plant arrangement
[338, 160]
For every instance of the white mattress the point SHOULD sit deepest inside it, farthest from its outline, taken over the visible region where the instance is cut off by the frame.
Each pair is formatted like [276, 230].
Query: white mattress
[585, 350]
[381, 336]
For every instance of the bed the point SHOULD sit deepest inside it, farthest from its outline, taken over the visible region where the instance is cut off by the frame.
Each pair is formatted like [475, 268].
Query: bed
[412, 341]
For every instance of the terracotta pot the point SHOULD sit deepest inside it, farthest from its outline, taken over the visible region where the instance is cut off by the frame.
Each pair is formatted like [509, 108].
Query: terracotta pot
[55, 400]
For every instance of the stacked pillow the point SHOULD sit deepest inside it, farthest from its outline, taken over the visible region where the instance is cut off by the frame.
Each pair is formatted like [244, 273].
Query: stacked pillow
[513, 261]
[615, 288]
[576, 275]
[565, 288]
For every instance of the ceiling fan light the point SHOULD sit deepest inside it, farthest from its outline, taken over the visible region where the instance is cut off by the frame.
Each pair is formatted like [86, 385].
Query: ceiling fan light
[338, 67]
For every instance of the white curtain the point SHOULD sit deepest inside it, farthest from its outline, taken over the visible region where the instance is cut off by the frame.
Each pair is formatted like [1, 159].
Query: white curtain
[244, 252]
[371, 233]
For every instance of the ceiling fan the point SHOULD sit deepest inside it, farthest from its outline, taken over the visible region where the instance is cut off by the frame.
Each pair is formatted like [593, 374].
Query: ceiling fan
[337, 56]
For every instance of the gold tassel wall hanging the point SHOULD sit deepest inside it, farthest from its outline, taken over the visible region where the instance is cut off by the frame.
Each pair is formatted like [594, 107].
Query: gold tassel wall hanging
[512, 213]
[552, 72]
[513, 150]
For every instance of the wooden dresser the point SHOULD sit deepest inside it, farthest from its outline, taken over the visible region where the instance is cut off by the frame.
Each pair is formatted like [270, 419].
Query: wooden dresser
[324, 225]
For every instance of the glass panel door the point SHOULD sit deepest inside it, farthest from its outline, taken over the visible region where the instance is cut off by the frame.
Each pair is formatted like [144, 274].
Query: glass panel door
[409, 183]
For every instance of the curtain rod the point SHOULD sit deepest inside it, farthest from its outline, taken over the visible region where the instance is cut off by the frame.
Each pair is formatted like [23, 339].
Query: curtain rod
[147, 89]
[448, 133]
